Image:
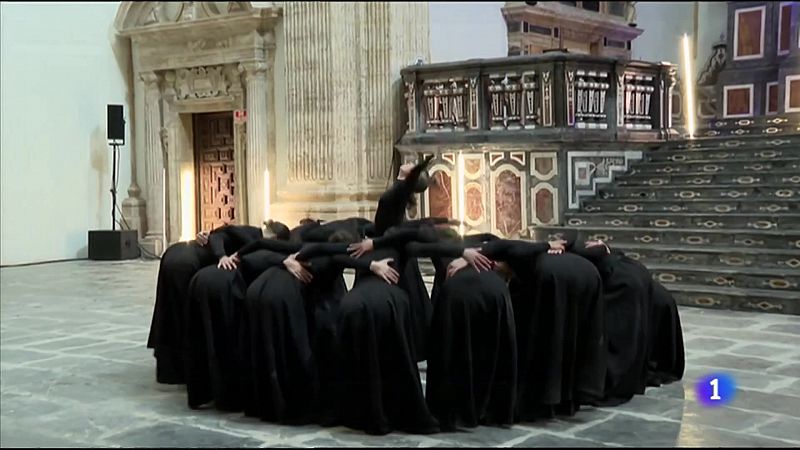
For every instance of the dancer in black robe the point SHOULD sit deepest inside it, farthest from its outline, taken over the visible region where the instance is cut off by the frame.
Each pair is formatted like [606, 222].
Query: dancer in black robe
[179, 263]
[645, 341]
[394, 201]
[391, 212]
[558, 313]
[291, 310]
[626, 296]
[378, 385]
[666, 359]
[356, 226]
[472, 353]
[213, 314]
[297, 234]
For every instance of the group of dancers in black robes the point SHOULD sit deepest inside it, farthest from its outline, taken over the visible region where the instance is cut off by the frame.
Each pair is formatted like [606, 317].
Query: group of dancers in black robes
[260, 320]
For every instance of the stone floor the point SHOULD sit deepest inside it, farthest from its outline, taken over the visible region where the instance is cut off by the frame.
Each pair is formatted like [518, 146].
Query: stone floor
[74, 371]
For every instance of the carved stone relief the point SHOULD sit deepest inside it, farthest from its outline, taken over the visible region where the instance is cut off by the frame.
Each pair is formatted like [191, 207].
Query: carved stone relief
[200, 82]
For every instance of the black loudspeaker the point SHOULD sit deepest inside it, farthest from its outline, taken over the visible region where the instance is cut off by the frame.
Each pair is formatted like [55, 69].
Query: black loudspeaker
[116, 124]
[108, 245]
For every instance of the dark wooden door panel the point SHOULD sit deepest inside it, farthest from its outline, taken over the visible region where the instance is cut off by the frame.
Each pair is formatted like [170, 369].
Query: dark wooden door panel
[213, 147]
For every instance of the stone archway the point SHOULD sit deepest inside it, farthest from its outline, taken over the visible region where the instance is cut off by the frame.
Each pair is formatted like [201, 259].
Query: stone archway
[190, 58]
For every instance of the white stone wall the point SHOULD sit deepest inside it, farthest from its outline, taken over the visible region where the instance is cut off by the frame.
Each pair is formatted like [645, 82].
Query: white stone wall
[60, 67]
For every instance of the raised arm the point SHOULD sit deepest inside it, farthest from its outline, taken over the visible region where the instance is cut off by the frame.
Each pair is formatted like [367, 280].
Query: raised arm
[416, 171]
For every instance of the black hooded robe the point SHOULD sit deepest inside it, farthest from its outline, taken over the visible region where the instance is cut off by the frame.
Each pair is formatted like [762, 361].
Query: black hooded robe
[558, 313]
[472, 353]
[179, 263]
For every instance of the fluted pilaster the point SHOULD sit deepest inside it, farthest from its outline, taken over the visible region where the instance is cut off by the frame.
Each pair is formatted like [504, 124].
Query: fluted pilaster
[154, 159]
[343, 103]
[257, 135]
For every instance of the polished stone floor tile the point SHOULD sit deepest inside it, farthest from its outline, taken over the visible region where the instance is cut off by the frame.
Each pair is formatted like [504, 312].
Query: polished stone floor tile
[74, 371]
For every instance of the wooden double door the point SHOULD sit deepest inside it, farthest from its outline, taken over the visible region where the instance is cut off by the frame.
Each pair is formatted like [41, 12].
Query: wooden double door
[214, 164]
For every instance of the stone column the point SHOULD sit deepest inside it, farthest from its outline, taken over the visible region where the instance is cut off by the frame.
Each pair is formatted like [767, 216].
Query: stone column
[154, 163]
[344, 109]
[257, 134]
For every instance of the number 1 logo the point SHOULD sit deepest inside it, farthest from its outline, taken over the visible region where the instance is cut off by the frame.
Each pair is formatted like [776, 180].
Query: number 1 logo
[715, 384]
[715, 389]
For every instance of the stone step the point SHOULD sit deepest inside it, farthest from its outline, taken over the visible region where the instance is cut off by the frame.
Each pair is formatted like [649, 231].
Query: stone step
[727, 154]
[699, 205]
[687, 237]
[736, 299]
[739, 258]
[707, 166]
[782, 280]
[714, 191]
[714, 221]
[736, 258]
[735, 178]
[712, 142]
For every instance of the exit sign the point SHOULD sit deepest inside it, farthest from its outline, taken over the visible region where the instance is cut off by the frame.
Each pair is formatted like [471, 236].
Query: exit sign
[240, 116]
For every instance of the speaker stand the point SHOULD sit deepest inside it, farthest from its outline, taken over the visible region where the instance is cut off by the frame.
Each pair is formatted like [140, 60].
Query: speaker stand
[114, 174]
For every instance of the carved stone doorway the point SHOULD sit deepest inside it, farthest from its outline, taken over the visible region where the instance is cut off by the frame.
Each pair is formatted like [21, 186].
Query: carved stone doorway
[188, 59]
[215, 166]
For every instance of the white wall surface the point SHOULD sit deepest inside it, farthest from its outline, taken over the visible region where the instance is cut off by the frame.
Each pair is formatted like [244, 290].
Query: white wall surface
[58, 70]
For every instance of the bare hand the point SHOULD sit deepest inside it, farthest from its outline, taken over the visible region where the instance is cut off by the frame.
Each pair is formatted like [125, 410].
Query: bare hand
[227, 263]
[202, 238]
[476, 259]
[385, 271]
[359, 249]
[455, 266]
[598, 243]
[557, 247]
[297, 269]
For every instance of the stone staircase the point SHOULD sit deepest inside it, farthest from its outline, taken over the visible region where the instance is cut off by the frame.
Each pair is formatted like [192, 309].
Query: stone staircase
[716, 219]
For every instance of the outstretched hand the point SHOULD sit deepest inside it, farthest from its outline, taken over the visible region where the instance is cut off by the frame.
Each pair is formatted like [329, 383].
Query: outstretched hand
[227, 263]
[202, 238]
[557, 247]
[476, 259]
[455, 266]
[359, 249]
[598, 243]
[385, 271]
[297, 269]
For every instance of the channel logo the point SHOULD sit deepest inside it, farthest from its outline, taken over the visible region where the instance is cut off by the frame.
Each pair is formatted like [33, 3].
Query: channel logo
[715, 390]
